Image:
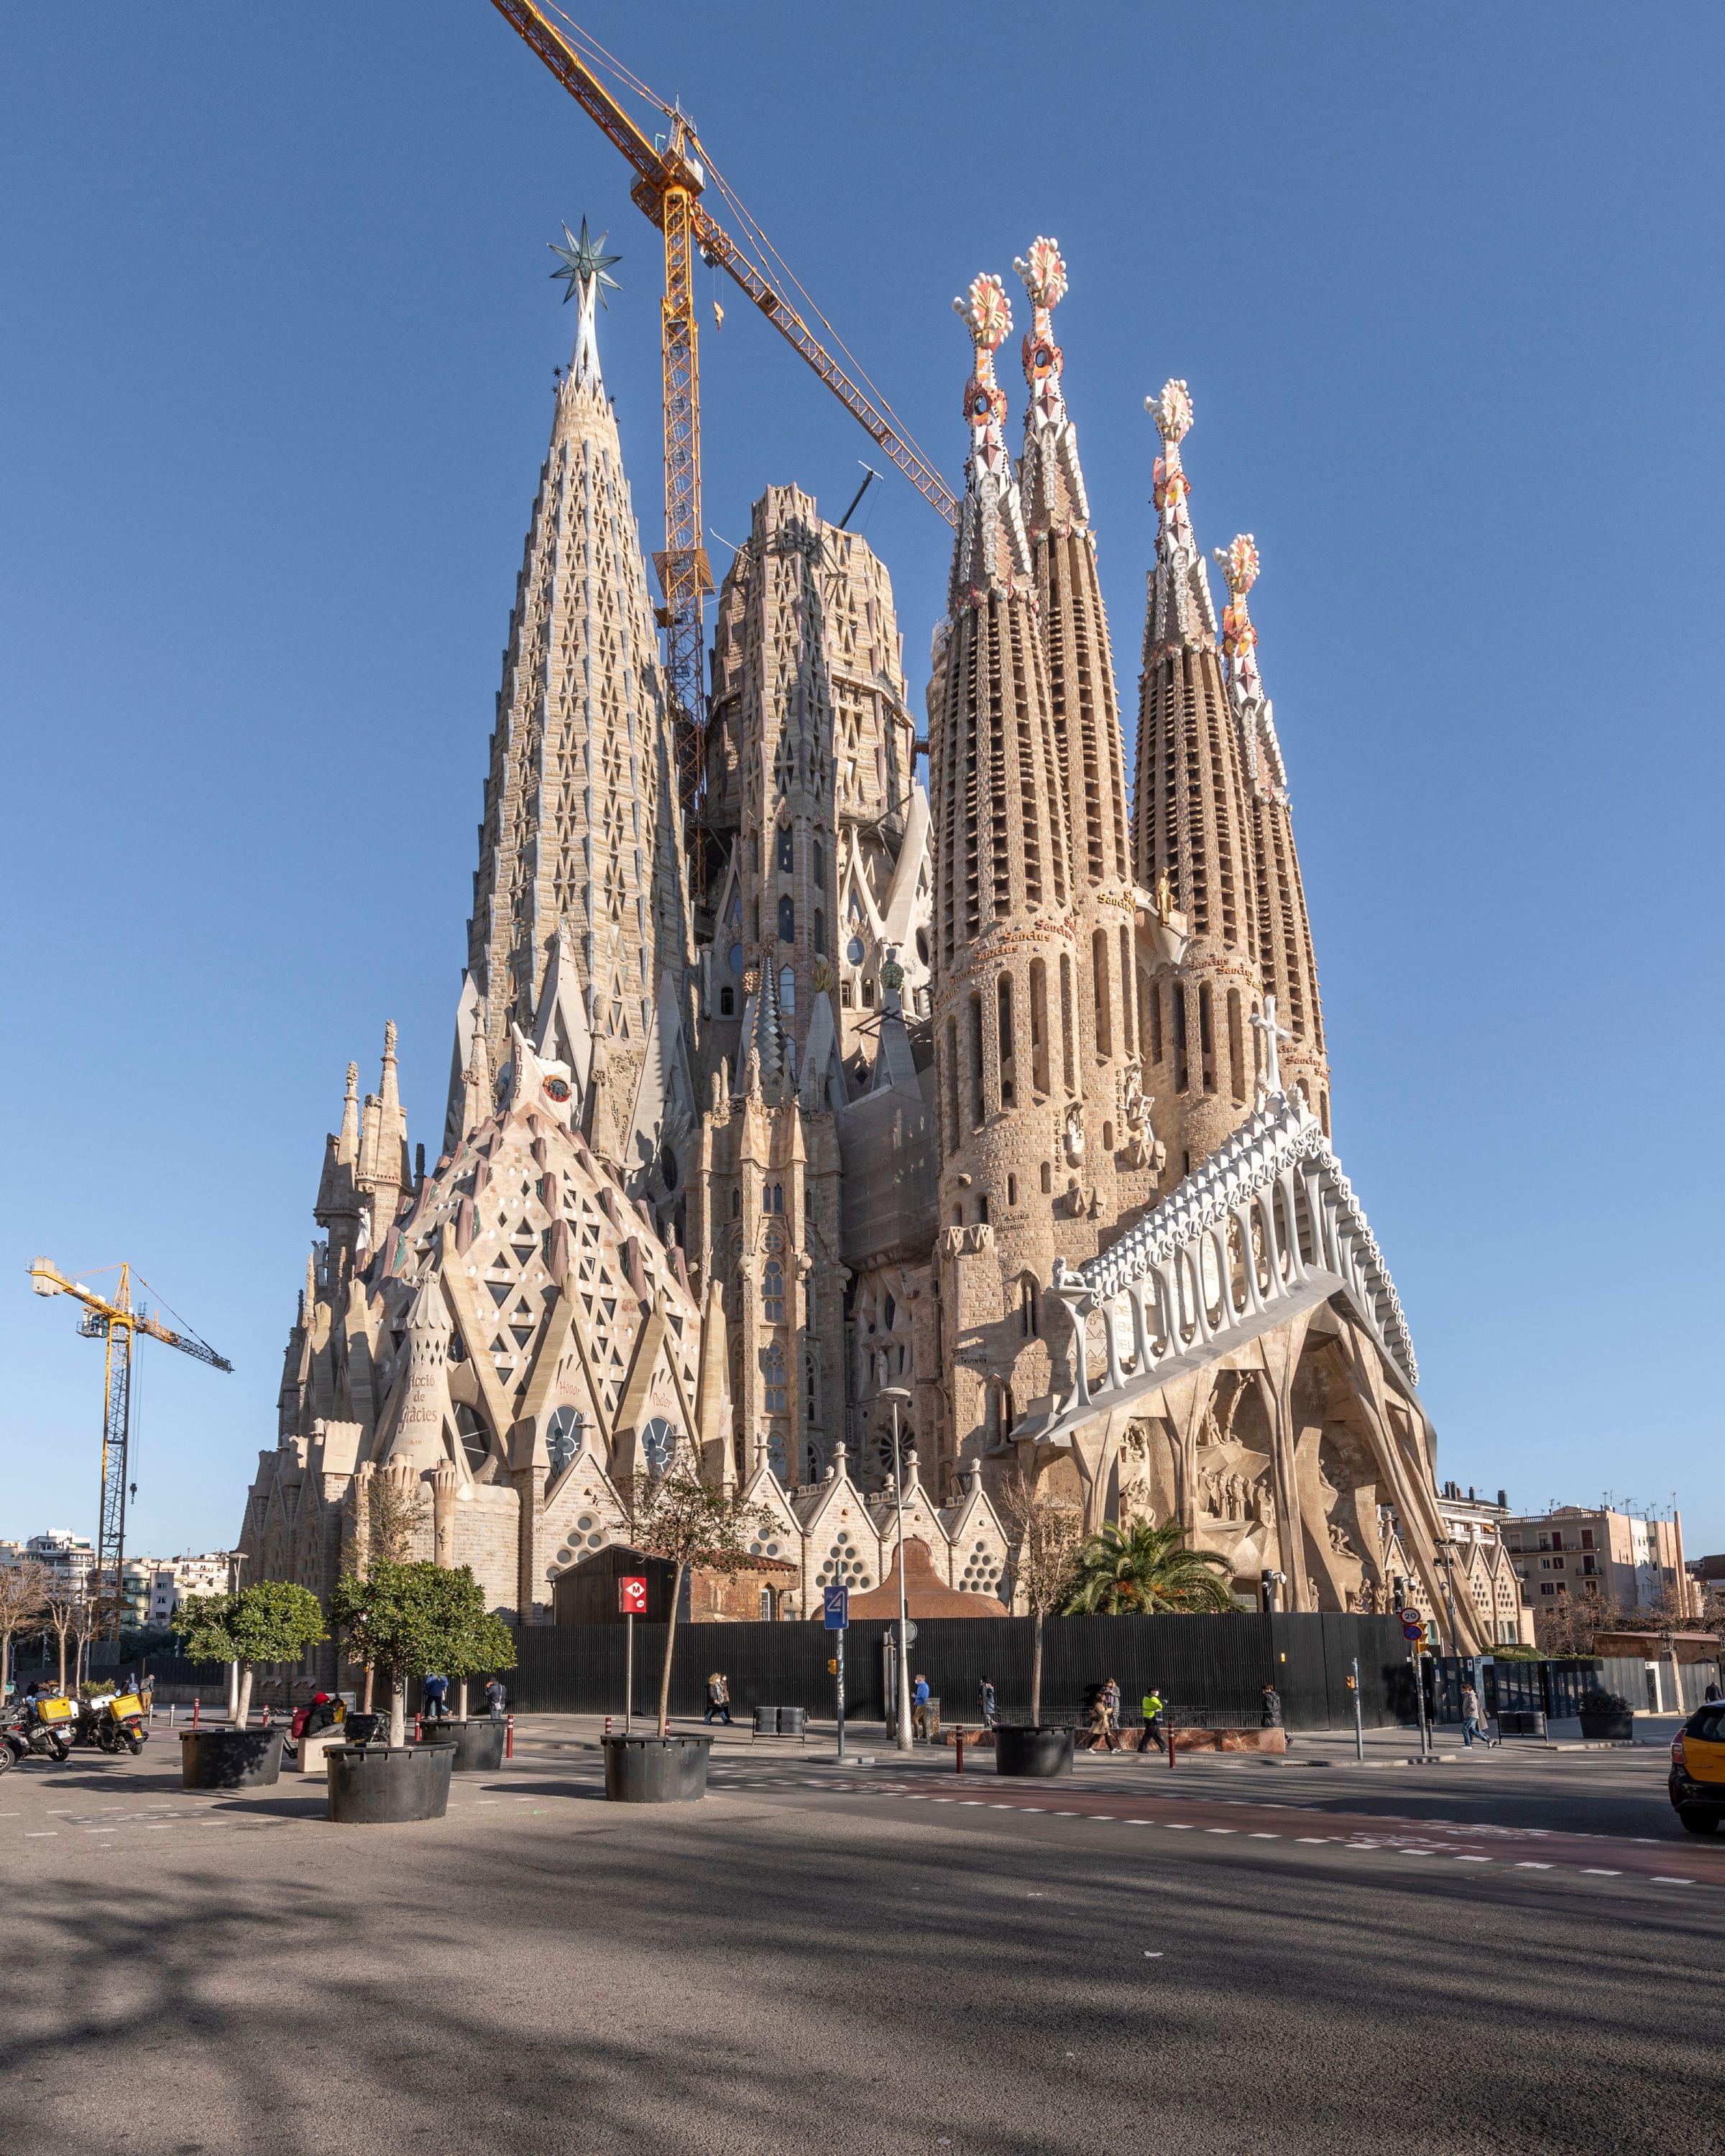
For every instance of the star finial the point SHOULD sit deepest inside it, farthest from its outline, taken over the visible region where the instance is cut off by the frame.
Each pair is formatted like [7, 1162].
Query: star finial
[584, 261]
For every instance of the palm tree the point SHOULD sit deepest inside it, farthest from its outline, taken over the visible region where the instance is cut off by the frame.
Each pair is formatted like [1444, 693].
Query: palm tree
[1136, 1571]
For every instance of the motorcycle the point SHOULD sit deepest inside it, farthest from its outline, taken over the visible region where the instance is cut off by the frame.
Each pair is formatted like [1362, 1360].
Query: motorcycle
[30, 1731]
[120, 1722]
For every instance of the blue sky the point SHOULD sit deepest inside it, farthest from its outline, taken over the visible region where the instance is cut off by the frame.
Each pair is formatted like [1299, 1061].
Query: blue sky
[275, 377]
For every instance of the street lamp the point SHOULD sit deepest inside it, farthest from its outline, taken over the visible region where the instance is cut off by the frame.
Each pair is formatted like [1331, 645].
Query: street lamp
[896, 1393]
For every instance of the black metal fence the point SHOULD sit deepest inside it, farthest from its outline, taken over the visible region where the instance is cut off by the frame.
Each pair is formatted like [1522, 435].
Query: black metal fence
[1222, 1662]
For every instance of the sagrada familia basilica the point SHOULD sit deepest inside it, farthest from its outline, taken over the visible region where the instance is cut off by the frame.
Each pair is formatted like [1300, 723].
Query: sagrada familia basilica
[809, 1097]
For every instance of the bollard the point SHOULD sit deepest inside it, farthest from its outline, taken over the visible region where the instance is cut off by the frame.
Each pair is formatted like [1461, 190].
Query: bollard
[197, 1702]
[509, 1738]
[417, 1731]
[959, 1751]
[608, 1725]
[1171, 1746]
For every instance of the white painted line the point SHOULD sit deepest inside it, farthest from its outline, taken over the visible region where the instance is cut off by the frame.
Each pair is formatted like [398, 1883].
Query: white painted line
[1594, 1872]
[978, 1802]
[1137, 1822]
[1473, 1859]
[1311, 1837]
[1261, 1836]
[43, 1834]
[1532, 1867]
[1664, 1879]
[1066, 1815]
[1003, 1808]
[1030, 1807]
[1181, 1826]
[1221, 1829]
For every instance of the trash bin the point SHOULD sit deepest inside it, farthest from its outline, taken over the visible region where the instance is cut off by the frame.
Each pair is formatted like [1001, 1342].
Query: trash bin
[766, 1721]
[793, 1721]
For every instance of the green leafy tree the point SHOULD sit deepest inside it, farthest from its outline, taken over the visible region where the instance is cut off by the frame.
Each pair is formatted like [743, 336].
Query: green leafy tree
[479, 1641]
[405, 1618]
[1139, 1570]
[272, 1620]
[686, 1521]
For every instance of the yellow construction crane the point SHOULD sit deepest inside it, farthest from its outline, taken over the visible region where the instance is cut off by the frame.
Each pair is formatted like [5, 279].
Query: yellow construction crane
[116, 1321]
[672, 172]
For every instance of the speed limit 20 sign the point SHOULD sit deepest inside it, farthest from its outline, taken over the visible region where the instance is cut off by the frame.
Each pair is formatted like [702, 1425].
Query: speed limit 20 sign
[632, 1596]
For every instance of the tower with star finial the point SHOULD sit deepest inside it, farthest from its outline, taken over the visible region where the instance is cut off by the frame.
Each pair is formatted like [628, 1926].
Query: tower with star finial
[579, 933]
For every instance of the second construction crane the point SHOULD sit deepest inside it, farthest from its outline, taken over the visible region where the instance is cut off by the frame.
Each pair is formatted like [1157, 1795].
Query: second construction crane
[672, 172]
[116, 1321]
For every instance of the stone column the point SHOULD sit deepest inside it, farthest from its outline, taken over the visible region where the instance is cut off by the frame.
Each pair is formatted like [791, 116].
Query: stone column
[444, 1483]
[361, 1489]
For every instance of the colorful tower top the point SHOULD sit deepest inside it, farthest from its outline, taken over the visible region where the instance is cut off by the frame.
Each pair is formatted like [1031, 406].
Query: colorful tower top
[1181, 610]
[1259, 750]
[992, 554]
[1050, 481]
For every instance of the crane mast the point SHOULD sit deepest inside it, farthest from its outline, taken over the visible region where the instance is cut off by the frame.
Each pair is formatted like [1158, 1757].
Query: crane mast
[669, 184]
[116, 1321]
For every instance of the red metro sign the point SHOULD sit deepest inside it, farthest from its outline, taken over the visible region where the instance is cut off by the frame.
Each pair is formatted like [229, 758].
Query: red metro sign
[632, 1597]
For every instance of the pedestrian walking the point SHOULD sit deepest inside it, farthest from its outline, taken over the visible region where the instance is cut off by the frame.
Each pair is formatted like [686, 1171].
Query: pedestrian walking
[1471, 1726]
[920, 1697]
[1713, 1694]
[1104, 1736]
[985, 1703]
[496, 1698]
[718, 1698]
[1270, 1708]
[1111, 1693]
[1153, 1720]
[436, 1703]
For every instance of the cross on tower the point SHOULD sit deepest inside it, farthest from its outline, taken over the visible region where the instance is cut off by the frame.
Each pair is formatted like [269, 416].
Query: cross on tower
[1266, 1022]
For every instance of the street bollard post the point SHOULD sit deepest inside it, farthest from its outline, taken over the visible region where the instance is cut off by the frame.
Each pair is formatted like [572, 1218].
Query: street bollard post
[1171, 1747]
[509, 1738]
[958, 1753]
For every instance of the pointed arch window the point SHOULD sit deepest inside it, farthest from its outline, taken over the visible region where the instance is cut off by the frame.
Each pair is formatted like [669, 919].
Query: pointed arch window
[786, 850]
[772, 1369]
[787, 921]
[786, 989]
[818, 858]
[772, 1300]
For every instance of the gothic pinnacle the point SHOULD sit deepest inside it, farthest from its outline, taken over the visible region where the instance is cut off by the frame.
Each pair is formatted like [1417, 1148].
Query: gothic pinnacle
[1181, 610]
[992, 550]
[584, 266]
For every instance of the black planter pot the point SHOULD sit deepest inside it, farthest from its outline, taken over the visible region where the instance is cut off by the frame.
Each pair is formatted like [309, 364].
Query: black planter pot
[656, 1770]
[365, 1728]
[478, 1744]
[229, 1759]
[372, 1785]
[1608, 1728]
[1033, 1754]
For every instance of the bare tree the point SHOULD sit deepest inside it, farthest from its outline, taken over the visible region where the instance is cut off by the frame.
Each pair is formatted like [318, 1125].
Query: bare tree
[23, 1598]
[1045, 1533]
[61, 1605]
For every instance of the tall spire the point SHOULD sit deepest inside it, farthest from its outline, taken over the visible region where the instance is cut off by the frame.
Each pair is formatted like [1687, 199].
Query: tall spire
[1286, 964]
[991, 552]
[1075, 625]
[1191, 826]
[582, 830]
[1181, 610]
[1006, 1041]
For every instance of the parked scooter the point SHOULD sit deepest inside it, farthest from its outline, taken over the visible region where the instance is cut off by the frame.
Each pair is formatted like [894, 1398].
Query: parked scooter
[39, 1728]
[118, 1723]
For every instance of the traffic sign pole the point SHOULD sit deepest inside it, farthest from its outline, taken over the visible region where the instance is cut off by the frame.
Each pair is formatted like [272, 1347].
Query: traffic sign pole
[835, 1610]
[841, 1696]
[628, 1669]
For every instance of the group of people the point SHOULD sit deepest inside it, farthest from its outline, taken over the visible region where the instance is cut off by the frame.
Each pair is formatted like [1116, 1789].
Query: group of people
[435, 1705]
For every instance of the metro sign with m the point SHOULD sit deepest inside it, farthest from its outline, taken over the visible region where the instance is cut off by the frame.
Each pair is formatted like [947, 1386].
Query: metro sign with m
[632, 1596]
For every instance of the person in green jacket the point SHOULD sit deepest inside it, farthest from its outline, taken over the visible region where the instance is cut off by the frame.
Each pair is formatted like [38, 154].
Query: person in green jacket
[1153, 1720]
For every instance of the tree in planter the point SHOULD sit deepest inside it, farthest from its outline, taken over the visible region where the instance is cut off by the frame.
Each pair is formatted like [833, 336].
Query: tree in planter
[1045, 1533]
[23, 1598]
[1140, 1570]
[272, 1620]
[401, 1618]
[686, 1521]
[393, 1516]
[479, 1640]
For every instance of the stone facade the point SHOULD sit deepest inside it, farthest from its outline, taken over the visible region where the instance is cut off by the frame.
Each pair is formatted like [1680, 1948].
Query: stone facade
[994, 1117]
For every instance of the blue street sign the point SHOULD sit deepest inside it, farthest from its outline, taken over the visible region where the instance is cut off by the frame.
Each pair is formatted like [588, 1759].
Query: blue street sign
[838, 1607]
[1409, 1631]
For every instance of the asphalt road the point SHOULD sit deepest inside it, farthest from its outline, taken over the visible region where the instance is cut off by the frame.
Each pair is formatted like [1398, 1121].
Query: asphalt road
[872, 1960]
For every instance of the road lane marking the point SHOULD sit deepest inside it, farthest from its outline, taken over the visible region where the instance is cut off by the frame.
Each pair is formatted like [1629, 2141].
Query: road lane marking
[1533, 1867]
[1593, 1871]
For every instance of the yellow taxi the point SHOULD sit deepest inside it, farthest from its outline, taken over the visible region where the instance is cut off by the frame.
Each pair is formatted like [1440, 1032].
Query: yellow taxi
[1698, 1768]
